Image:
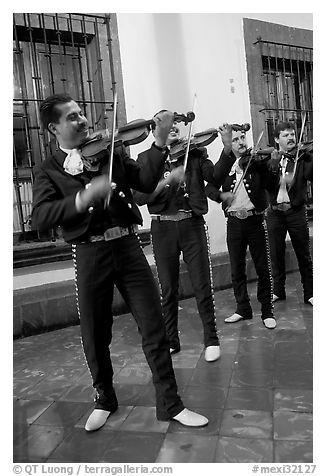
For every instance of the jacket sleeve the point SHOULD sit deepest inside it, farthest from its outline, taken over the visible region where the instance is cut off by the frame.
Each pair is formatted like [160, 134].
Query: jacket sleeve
[223, 167]
[269, 174]
[50, 210]
[308, 167]
[213, 193]
[207, 166]
[143, 175]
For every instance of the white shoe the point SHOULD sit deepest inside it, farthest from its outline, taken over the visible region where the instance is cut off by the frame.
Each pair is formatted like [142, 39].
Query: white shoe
[234, 318]
[311, 301]
[188, 418]
[212, 353]
[270, 323]
[96, 419]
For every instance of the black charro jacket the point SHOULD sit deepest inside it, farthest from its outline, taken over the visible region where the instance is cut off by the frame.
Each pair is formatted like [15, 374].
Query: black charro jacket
[199, 169]
[54, 193]
[298, 190]
[257, 180]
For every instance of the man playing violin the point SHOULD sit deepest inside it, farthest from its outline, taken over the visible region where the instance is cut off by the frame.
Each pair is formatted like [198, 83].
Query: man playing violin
[73, 192]
[287, 211]
[244, 203]
[177, 206]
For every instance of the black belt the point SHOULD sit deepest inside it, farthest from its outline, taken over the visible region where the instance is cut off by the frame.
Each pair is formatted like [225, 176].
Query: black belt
[282, 207]
[175, 217]
[242, 214]
[113, 233]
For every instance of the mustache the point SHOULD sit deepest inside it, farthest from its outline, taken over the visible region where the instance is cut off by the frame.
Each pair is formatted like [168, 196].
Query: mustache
[83, 128]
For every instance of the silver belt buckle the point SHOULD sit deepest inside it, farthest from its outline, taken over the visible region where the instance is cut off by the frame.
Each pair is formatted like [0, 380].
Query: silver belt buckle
[112, 233]
[242, 214]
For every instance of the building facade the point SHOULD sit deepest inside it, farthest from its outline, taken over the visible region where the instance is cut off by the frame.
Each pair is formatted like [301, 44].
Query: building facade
[240, 68]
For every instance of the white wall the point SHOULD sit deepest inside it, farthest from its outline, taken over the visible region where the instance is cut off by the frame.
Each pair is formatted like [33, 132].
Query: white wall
[168, 57]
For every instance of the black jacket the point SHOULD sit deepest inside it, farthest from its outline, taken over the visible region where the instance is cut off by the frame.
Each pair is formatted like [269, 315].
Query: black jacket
[258, 178]
[54, 193]
[199, 169]
[298, 190]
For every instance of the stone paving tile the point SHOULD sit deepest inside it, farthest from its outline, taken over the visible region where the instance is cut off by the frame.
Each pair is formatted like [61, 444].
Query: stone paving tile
[37, 442]
[133, 447]
[292, 425]
[187, 448]
[293, 452]
[63, 414]
[243, 450]
[204, 396]
[257, 396]
[247, 424]
[250, 398]
[27, 411]
[82, 446]
[144, 419]
[299, 400]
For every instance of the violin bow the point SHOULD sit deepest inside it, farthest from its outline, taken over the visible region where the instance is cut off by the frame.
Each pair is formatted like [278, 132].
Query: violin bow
[185, 162]
[298, 148]
[115, 104]
[252, 153]
[189, 136]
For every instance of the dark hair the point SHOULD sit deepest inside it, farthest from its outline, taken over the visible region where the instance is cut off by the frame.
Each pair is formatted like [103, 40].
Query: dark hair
[48, 110]
[153, 126]
[282, 126]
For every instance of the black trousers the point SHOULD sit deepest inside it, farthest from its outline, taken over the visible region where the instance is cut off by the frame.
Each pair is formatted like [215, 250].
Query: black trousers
[240, 234]
[295, 222]
[98, 267]
[189, 236]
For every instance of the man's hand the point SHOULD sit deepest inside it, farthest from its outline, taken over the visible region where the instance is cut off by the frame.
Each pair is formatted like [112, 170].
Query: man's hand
[274, 161]
[164, 122]
[226, 135]
[99, 187]
[227, 197]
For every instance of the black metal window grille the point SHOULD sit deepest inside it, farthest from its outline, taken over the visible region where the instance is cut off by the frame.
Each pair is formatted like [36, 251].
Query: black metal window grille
[54, 53]
[287, 83]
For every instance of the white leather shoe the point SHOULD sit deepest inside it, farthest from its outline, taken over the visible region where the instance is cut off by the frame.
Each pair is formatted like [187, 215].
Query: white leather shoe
[311, 301]
[234, 318]
[188, 418]
[96, 419]
[270, 323]
[212, 353]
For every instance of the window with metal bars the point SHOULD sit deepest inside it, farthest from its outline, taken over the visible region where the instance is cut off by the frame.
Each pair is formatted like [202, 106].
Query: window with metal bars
[55, 53]
[287, 72]
[287, 83]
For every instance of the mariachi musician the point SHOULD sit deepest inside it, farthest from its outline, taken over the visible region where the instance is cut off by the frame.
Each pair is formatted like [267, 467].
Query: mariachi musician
[243, 178]
[292, 165]
[177, 206]
[99, 218]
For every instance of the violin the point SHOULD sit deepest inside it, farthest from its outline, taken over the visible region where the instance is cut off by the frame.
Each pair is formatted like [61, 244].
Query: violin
[260, 156]
[132, 133]
[300, 149]
[200, 139]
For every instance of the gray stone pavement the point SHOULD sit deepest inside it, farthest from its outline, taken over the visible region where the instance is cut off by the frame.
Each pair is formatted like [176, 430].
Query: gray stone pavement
[258, 396]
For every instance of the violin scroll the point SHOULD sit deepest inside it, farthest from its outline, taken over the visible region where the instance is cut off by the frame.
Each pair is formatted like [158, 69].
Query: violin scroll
[241, 127]
[186, 118]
